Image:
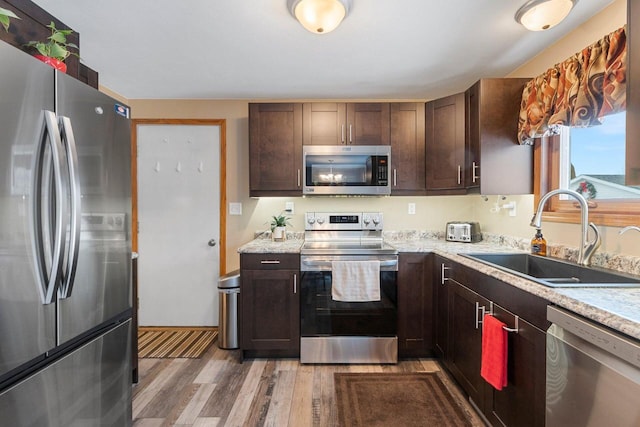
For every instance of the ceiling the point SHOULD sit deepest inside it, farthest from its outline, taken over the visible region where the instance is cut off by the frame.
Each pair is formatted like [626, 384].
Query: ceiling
[254, 49]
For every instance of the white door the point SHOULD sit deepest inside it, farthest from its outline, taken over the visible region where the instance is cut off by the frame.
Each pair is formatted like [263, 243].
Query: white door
[179, 216]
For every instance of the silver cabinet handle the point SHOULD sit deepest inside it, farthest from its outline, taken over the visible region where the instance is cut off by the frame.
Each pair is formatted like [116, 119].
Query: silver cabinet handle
[342, 137]
[459, 174]
[270, 261]
[350, 133]
[69, 143]
[474, 176]
[295, 283]
[443, 268]
[480, 317]
[395, 177]
[298, 177]
[212, 242]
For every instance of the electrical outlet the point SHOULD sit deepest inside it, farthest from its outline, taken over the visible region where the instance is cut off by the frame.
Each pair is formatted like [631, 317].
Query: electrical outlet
[289, 208]
[235, 208]
[411, 209]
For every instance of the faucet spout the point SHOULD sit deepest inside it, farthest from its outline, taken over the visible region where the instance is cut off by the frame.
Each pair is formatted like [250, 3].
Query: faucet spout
[629, 227]
[585, 246]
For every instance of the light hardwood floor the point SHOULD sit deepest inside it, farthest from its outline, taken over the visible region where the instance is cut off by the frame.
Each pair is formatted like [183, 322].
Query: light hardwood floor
[220, 390]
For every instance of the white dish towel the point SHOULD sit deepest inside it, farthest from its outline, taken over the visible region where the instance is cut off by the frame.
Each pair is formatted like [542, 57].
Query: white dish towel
[355, 281]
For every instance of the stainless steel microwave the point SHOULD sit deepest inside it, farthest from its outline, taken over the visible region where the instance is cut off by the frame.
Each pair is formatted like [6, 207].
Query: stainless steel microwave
[338, 170]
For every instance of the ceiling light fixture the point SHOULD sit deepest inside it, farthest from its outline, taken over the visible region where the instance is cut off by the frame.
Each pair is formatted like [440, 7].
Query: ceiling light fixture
[319, 16]
[539, 15]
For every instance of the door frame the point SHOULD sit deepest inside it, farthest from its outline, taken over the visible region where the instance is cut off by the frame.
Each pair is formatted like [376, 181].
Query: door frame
[222, 123]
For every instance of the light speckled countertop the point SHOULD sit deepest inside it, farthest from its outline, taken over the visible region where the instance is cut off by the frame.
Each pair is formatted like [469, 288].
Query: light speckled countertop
[617, 308]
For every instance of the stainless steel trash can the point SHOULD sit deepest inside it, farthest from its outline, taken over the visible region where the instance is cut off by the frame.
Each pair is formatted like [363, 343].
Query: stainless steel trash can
[229, 290]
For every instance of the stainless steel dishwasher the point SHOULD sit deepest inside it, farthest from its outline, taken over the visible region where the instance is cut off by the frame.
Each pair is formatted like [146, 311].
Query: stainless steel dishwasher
[593, 374]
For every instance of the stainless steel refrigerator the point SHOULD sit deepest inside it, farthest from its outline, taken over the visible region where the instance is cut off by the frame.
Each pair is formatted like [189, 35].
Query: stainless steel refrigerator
[65, 250]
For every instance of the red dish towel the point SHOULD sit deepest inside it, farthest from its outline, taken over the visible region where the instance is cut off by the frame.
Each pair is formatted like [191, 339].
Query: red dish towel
[494, 352]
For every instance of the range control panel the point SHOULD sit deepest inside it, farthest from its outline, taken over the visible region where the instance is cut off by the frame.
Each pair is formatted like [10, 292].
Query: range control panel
[343, 221]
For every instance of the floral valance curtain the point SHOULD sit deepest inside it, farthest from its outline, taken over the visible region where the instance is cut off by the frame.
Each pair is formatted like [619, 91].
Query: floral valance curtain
[578, 91]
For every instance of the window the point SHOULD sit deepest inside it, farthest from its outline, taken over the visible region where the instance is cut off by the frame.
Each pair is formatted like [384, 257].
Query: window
[590, 161]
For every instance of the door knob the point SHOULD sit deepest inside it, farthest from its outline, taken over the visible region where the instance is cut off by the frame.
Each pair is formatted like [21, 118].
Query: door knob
[212, 242]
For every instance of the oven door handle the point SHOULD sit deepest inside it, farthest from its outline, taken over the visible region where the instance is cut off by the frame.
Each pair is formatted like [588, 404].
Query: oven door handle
[385, 263]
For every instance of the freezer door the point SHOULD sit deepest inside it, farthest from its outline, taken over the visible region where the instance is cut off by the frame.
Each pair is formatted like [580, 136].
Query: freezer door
[27, 328]
[88, 387]
[101, 140]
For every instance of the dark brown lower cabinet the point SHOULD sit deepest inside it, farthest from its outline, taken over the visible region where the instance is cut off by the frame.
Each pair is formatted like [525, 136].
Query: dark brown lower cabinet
[440, 309]
[465, 340]
[458, 340]
[415, 304]
[522, 402]
[270, 304]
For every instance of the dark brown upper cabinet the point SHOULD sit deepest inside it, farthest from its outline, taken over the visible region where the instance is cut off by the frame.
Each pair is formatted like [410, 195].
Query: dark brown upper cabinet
[472, 144]
[275, 149]
[336, 123]
[496, 162]
[445, 145]
[408, 176]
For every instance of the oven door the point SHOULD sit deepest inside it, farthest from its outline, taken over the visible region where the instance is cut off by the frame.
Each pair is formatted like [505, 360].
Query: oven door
[320, 315]
[347, 332]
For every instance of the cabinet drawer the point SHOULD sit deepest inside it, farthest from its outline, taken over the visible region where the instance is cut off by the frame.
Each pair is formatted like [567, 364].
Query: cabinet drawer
[270, 261]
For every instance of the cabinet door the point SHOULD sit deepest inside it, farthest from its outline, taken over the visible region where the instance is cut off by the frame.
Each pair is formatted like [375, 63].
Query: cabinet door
[335, 123]
[472, 136]
[325, 123]
[522, 402]
[441, 308]
[493, 152]
[408, 149]
[445, 143]
[465, 339]
[368, 123]
[270, 310]
[414, 304]
[275, 149]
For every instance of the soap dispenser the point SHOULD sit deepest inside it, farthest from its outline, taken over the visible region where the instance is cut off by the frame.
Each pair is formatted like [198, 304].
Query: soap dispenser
[539, 244]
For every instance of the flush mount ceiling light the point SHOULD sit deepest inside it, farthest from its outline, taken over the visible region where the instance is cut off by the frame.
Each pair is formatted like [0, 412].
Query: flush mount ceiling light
[539, 15]
[319, 16]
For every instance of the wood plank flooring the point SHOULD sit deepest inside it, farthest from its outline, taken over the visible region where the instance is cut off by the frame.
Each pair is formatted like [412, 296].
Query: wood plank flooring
[220, 390]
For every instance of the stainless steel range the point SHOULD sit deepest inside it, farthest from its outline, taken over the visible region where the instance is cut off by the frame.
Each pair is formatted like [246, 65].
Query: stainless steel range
[337, 329]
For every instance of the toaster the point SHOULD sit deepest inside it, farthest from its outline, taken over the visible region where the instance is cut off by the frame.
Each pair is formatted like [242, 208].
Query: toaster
[463, 231]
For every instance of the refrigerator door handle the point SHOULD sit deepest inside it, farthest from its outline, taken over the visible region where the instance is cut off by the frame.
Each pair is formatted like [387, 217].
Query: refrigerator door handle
[69, 144]
[48, 244]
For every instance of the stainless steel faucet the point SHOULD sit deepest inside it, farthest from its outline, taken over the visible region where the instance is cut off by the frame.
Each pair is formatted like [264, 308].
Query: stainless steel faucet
[587, 248]
[629, 227]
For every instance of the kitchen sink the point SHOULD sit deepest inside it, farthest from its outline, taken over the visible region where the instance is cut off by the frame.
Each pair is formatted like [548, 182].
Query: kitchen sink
[555, 273]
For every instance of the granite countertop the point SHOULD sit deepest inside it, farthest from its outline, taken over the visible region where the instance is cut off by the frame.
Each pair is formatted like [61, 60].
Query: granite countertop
[617, 308]
[264, 245]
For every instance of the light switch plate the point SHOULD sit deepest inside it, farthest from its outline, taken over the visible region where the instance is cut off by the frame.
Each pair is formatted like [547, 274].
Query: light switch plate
[289, 208]
[411, 209]
[235, 208]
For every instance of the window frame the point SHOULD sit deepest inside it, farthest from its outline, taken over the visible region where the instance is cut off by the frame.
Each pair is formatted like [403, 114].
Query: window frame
[617, 213]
